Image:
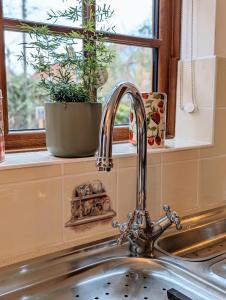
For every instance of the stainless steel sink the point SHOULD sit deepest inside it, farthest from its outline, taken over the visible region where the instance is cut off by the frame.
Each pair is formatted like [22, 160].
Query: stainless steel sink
[200, 248]
[219, 268]
[198, 241]
[104, 271]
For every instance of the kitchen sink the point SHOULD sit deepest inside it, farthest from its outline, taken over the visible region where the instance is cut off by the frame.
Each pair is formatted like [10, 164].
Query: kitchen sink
[191, 263]
[197, 242]
[104, 271]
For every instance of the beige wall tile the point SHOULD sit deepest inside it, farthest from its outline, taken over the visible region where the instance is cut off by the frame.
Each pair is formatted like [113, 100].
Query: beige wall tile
[154, 158]
[205, 72]
[30, 216]
[91, 229]
[126, 192]
[76, 168]
[204, 27]
[212, 182]
[180, 186]
[220, 41]
[127, 162]
[29, 173]
[219, 147]
[221, 82]
[154, 191]
[197, 126]
[205, 11]
[175, 156]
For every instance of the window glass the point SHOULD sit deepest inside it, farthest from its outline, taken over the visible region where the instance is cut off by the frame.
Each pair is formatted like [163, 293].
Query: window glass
[25, 97]
[129, 17]
[132, 64]
[37, 10]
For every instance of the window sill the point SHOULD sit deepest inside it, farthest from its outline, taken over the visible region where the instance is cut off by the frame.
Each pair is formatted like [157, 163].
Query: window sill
[40, 158]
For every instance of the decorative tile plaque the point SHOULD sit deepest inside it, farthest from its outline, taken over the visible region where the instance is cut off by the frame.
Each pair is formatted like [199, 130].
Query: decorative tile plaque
[90, 203]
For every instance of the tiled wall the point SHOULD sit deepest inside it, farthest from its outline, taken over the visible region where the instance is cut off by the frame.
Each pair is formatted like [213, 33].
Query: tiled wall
[35, 201]
[199, 124]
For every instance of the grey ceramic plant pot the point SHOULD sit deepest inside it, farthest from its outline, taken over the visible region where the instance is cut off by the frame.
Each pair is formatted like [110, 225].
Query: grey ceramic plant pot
[72, 129]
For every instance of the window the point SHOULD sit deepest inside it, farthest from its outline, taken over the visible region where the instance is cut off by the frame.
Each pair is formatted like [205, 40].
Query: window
[146, 40]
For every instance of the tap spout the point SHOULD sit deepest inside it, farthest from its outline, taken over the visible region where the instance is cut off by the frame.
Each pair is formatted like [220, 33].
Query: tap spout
[104, 158]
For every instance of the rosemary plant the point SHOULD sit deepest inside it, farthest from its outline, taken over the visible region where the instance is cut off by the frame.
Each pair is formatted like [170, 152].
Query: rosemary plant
[67, 71]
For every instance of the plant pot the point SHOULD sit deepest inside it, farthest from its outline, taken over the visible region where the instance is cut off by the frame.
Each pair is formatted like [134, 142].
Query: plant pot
[72, 129]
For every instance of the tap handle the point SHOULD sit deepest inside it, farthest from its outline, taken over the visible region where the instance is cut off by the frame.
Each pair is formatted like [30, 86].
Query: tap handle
[124, 226]
[121, 226]
[172, 216]
[115, 224]
[176, 220]
[166, 208]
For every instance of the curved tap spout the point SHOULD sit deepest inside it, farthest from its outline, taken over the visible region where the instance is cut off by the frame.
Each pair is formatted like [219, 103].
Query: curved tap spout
[104, 158]
[139, 228]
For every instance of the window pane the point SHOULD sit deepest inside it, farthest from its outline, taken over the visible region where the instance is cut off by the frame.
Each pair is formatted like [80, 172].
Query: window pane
[25, 98]
[36, 10]
[129, 17]
[132, 64]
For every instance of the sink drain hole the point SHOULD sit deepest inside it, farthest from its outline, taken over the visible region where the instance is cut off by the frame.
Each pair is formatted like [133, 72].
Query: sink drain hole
[77, 296]
[145, 287]
[106, 293]
[96, 298]
[108, 283]
[126, 296]
[126, 285]
[145, 297]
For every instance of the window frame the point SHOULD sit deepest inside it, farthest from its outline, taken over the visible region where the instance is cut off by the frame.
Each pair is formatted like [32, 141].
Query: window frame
[166, 42]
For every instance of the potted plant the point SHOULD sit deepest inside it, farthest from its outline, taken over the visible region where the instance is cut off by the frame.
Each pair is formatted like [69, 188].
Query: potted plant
[71, 74]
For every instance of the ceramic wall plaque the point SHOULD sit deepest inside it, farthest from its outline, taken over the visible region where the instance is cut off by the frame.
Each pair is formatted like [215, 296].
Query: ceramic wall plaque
[90, 203]
[155, 107]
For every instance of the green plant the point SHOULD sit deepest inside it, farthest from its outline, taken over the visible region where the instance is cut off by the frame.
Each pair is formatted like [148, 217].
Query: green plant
[67, 71]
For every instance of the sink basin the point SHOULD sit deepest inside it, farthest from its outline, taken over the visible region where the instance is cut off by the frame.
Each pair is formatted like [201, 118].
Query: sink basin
[219, 269]
[192, 262]
[200, 243]
[104, 271]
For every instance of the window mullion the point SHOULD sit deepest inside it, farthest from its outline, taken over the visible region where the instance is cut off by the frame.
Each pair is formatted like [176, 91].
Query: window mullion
[3, 72]
[89, 15]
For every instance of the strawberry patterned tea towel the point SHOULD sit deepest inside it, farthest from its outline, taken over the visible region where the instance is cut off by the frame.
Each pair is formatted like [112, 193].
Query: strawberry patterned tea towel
[155, 107]
[2, 142]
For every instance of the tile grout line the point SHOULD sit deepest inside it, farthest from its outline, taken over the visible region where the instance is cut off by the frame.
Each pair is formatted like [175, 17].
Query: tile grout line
[198, 182]
[180, 161]
[161, 183]
[116, 190]
[213, 157]
[38, 180]
[62, 201]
